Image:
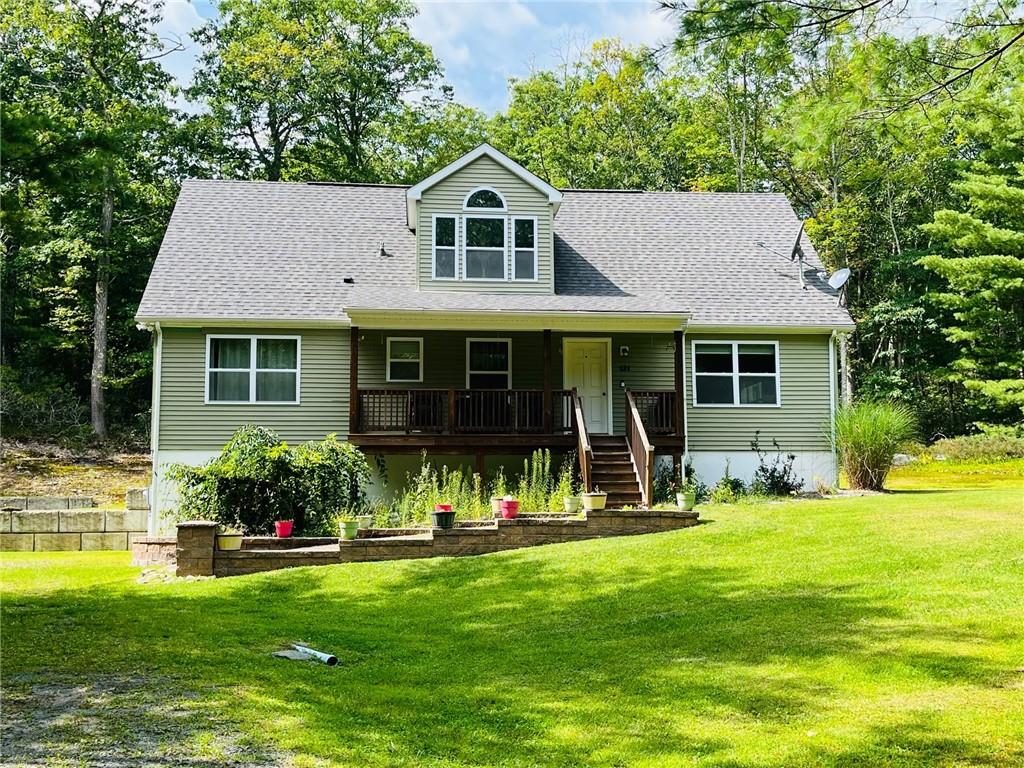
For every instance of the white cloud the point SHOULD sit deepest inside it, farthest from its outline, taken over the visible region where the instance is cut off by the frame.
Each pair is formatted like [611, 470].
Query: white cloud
[180, 18]
[482, 43]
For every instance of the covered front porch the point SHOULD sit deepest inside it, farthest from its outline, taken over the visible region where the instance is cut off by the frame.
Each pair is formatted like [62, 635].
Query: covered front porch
[483, 393]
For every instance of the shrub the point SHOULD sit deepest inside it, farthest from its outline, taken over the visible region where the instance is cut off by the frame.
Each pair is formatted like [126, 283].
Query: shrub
[428, 487]
[728, 490]
[868, 434]
[994, 443]
[258, 479]
[775, 477]
[568, 483]
[535, 484]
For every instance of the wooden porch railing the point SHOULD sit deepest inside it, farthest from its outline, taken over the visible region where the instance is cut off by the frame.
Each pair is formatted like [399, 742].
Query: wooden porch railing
[658, 412]
[640, 449]
[583, 447]
[464, 411]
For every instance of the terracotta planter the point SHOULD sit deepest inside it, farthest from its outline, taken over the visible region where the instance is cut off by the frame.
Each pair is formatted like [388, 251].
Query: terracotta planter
[509, 509]
[592, 502]
[283, 528]
[686, 501]
[229, 542]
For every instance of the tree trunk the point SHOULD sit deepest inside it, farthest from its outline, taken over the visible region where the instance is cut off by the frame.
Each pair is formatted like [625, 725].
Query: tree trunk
[99, 316]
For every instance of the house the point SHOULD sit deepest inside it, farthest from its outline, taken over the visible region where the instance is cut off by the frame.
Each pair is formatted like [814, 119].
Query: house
[482, 313]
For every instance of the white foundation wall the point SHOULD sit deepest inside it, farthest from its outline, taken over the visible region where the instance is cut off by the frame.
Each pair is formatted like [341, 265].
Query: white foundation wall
[163, 493]
[710, 466]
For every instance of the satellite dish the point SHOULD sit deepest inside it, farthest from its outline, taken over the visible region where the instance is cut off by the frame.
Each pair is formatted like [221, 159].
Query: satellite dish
[838, 280]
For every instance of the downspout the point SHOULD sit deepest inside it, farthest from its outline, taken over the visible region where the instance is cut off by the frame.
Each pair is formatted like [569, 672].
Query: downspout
[832, 381]
[154, 432]
[686, 429]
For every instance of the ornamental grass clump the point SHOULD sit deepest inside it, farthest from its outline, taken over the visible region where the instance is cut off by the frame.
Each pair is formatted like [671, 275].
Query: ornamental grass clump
[867, 436]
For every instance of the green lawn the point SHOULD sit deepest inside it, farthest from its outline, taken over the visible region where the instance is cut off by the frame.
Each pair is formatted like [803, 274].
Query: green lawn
[881, 630]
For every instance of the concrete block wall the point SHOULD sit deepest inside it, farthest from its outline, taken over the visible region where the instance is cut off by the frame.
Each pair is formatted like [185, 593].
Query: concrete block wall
[68, 523]
[197, 554]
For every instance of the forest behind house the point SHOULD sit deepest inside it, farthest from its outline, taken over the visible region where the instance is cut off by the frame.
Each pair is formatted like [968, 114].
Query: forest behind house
[903, 152]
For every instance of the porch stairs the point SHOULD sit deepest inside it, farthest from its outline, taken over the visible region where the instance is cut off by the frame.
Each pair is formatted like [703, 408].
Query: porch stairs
[612, 471]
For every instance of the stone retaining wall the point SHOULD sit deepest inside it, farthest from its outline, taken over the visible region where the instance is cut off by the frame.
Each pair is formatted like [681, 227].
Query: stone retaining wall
[196, 554]
[69, 523]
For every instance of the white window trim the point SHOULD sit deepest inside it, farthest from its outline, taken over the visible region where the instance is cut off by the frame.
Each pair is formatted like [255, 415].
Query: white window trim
[507, 340]
[512, 250]
[465, 247]
[465, 200]
[434, 246]
[735, 373]
[387, 371]
[252, 370]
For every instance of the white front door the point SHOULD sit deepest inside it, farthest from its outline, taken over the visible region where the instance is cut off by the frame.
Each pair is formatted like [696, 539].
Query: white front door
[586, 370]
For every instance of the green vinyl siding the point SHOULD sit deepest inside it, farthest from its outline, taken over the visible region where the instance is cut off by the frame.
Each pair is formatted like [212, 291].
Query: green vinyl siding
[447, 197]
[187, 423]
[799, 424]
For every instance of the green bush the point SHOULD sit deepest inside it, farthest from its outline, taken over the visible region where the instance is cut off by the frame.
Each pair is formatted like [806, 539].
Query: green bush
[775, 476]
[994, 443]
[258, 479]
[728, 489]
[868, 434]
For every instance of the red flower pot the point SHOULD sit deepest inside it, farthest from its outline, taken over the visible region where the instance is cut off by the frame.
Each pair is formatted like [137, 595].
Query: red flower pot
[442, 507]
[283, 528]
[509, 509]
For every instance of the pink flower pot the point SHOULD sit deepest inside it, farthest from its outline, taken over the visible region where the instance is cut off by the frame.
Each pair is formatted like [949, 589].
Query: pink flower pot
[283, 528]
[442, 507]
[509, 509]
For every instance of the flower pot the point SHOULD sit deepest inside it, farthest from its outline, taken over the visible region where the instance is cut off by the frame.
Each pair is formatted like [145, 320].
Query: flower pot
[442, 507]
[509, 509]
[685, 501]
[443, 518]
[594, 501]
[283, 528]
[349, 529]
[496, 505]
[229, 542]
[365, 521]
[571, 504]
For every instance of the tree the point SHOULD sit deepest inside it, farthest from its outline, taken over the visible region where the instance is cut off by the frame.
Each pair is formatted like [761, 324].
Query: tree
[983, 265]
[89, 97]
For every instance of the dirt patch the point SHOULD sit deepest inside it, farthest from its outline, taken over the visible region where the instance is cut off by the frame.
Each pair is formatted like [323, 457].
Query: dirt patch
[127, 722]
[33, 469]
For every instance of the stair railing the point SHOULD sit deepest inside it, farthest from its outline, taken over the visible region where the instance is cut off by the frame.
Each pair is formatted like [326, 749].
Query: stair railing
[640, 450]
[583, 447]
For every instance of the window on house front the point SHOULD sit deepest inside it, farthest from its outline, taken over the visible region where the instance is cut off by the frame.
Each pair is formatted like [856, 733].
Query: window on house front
[736, 373]
[485, 247]
[405, 359]
[524, 249]
[488, 363]
[252, 369]
[485, 198]
[444, 247]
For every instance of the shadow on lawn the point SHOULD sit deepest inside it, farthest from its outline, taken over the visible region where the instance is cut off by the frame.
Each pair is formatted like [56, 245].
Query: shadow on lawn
[510, 659]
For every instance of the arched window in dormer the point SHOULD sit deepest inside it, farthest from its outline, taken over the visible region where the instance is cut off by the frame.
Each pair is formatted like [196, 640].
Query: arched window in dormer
[485, 198]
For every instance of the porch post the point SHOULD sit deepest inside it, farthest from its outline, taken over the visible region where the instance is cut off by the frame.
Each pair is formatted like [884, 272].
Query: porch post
[549, 416]
[353, 379]
[680, 386]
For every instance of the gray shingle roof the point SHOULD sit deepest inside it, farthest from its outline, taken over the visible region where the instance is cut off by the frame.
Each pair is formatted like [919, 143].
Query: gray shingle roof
[273, 251]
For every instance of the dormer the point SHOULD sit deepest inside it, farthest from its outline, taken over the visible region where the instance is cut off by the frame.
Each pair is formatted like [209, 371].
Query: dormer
[484, 223]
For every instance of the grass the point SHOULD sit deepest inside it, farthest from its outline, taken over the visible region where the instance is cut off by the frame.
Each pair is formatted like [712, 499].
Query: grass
[35, 470]
[869, 631]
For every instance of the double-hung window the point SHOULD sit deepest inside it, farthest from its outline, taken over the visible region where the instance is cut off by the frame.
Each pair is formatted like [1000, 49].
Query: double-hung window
[444, 248]
[744, 373]
[485, 247]
[524, 248]
[252, 369]
[488, 363]
[405, 359]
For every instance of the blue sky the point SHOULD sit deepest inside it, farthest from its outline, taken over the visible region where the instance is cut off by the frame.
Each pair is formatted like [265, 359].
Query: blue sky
[481, 43]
